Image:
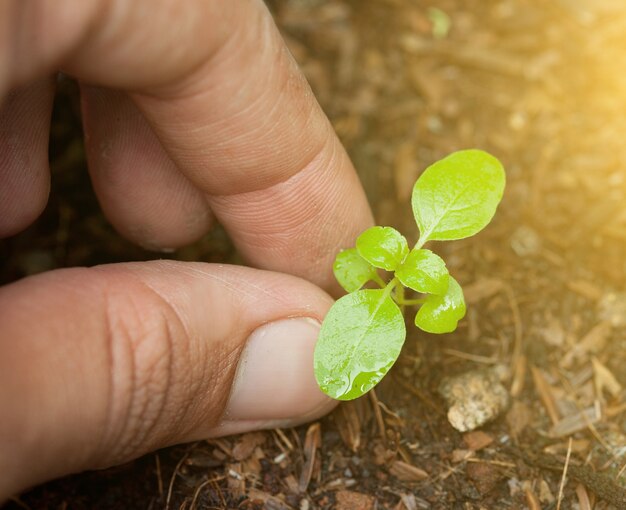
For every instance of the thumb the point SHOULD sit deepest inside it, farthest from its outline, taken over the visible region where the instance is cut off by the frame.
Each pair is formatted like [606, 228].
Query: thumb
[101, 365]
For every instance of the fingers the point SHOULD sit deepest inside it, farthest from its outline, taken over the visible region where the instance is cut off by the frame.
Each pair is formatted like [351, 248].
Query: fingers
[154, 354]
[140, 189]
[24, 173]
[246, 129]
[230, 108]
[36, 35]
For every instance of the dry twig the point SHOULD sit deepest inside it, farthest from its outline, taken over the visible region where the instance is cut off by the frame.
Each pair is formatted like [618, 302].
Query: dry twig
[564, 476]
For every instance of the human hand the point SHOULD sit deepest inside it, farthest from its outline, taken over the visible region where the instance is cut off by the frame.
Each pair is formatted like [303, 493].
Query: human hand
[193, 110]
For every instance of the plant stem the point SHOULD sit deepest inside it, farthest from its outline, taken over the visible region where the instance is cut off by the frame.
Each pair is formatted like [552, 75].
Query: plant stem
[420, 243]
[377, 279]
[400, 297]
[410, 302]
[390, 286]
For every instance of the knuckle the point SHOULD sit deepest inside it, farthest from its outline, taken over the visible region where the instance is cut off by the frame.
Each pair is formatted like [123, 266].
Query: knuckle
[143, 339]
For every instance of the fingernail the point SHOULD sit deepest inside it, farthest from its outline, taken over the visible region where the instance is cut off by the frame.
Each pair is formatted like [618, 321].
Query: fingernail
[274, 384]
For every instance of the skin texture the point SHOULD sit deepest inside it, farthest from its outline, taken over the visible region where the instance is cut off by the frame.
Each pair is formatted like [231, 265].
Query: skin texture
[194, 112]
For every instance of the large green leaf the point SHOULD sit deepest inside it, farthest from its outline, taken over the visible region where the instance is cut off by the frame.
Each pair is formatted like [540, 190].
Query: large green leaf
[351, 270]
[360, 339]
[441, 314]
[424, 271]
[382, 247]
[457, 196]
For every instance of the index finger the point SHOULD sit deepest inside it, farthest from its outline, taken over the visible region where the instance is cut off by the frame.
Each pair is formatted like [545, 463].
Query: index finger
[240, 121]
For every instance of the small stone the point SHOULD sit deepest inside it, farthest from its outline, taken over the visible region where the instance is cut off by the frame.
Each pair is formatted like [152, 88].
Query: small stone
[474, 398]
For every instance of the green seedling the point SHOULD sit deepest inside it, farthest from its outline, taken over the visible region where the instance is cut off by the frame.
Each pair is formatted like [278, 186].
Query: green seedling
[364, 331]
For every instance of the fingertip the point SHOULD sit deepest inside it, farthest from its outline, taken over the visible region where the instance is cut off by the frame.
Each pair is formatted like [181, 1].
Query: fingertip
[24, 175]
[23, 198]
[274, 385]
[139, 187]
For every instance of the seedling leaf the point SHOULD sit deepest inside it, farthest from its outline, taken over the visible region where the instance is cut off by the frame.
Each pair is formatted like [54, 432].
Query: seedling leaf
[457, 196]
[351, 270]
[382, 247]
[360, 340]
[424, 271]
[441, 314]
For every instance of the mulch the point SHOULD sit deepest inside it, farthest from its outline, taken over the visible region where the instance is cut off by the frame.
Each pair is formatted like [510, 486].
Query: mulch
[542, 86]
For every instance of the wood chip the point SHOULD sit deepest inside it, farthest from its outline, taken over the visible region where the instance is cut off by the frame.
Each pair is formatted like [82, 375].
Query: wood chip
[546, 395]
[580, 446]
[292, 484]
[605, 380]
[584, 500]
[461, 455]
[223, 444]
[545, 494]
[246, 444]
[349, 425]
[409, 501]
[484, 476]
[251, 467]
[382, 454]
[576, 422]
[518, 418]
[407, 472]
[594, 341]
[311, 444]
[203, 459]
[531, 499]
[378, 414]
[348, 500]
[235, 480]
[519, 375]
[477, 440]
[269, 502]
[282, 441]
[585, 289]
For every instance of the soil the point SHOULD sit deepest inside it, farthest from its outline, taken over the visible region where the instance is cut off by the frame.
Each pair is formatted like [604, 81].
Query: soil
[542, 85]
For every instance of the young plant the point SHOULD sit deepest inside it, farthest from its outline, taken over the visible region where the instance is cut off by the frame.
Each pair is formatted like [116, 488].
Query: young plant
[364, 331]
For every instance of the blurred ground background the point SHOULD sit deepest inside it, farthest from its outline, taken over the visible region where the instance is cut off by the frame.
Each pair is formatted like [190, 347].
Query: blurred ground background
[542, 85]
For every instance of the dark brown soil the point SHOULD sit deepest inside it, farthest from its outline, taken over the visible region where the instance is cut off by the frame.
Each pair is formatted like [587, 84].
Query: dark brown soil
[542, 85]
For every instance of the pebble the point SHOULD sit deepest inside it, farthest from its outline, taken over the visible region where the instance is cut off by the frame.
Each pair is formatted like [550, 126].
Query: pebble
[474, 398]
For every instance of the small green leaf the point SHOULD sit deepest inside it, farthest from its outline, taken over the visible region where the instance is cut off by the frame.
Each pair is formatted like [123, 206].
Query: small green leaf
[441, 314]
[360, 340]
[351, 270]
[457, 196]
[424, 271]
[382, 247]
